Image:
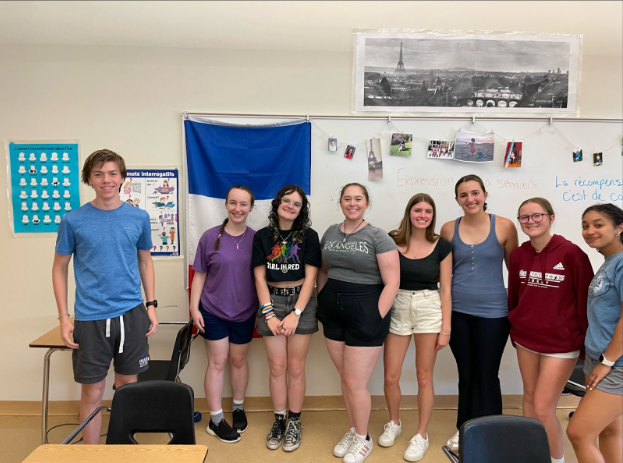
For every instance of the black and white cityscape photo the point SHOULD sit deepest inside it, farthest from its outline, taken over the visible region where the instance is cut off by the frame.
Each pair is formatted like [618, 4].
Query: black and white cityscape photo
[490, 73]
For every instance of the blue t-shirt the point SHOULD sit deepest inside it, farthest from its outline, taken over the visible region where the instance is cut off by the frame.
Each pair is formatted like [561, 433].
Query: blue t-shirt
[605, 295]
[104, 245]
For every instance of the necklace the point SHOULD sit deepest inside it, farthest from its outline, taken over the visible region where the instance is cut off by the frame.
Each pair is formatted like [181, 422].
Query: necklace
[284, 240]
[348, 236]
[415, 252]
[238, 242]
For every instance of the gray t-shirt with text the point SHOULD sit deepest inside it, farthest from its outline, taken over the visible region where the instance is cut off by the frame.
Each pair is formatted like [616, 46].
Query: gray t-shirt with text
[355, 261]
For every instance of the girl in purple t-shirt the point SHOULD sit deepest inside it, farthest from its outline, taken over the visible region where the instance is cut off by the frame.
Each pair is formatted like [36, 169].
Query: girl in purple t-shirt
[223, 305]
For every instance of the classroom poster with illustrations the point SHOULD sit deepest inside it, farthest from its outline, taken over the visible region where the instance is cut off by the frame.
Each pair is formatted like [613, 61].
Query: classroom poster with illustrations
[156, 191]
[44, 181]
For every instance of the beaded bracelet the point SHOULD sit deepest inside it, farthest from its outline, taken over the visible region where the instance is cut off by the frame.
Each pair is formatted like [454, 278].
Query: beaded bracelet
[269, 316]
[268, 313]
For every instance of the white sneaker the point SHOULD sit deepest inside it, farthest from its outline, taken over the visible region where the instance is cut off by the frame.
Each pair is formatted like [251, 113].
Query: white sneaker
[342, 446]
[358, 451]
[453, 443]
[417, 448]
[392, 430]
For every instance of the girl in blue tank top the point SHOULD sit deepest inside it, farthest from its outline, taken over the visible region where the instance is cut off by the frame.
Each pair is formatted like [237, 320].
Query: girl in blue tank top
[481, 243]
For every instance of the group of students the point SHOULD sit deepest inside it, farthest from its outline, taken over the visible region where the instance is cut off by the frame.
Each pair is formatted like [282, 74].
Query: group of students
[376, 289]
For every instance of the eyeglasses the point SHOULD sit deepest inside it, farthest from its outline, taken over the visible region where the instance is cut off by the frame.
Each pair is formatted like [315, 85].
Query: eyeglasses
[289, 202]
[535, 218]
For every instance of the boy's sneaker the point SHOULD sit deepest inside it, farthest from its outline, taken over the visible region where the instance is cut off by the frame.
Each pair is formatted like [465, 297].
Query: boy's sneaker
[239, 420]
[342, 446]
[274, 437]
[358, 451]
[417, 448]
[223, 431]
[294, 433]
[392, 430]
[453, 443]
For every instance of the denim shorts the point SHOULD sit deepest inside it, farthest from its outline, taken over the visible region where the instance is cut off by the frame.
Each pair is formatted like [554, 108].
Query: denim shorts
[282, 306]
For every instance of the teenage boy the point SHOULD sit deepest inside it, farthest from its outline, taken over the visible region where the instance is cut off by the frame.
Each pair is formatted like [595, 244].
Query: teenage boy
[111, 243]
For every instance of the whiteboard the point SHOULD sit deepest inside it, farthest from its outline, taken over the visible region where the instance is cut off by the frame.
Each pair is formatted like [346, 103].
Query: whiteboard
[547, 170]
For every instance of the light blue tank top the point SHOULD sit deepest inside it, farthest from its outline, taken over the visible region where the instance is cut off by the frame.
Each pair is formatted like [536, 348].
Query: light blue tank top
[477, 281]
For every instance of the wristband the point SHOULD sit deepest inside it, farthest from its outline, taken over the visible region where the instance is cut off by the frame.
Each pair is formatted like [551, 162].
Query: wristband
[66, 314]
[603, 360]
[269, 316]
[266, 305]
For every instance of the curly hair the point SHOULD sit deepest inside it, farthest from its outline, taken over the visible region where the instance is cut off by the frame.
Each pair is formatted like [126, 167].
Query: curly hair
[302, 221]
[610, 211]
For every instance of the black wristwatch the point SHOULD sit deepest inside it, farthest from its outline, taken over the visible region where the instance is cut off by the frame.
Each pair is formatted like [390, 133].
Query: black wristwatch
[154, 303]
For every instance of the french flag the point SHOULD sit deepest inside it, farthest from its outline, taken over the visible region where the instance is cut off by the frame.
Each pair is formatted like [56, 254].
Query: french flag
[218, 155]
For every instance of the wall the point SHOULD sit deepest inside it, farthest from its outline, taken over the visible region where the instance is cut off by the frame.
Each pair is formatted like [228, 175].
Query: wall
[130, 99]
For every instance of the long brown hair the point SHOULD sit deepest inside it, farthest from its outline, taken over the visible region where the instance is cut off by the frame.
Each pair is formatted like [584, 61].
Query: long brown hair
[217, 243]
[402, 235]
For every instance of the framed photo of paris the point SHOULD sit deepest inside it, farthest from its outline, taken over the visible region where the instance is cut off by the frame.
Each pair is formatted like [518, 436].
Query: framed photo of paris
[486, 73]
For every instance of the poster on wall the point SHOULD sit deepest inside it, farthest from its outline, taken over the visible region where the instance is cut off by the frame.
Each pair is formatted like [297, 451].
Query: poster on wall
[466, 72]
[44, 182]
[156, 191]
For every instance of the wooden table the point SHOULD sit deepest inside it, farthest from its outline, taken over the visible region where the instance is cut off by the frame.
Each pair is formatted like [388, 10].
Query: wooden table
[53, 342]
[118, 453]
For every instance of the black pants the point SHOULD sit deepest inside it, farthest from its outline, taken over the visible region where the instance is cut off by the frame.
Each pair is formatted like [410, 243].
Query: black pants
[477, 345]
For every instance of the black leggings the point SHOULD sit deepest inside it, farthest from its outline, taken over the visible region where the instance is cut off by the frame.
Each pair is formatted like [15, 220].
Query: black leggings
[477, 344]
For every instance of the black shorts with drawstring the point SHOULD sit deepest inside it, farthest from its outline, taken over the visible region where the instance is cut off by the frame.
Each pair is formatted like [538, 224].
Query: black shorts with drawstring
[349, 312]
[121, 339]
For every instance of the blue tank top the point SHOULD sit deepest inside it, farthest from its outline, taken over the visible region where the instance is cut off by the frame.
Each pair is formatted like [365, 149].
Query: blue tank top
[477, 281]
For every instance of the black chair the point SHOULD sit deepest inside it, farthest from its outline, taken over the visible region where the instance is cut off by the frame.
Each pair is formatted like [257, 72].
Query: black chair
[149, 407]
[501, 438]
[169, 370]
[575, 384]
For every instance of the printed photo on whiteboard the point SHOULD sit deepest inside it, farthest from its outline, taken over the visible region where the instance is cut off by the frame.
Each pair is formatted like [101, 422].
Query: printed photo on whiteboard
[473, 147]
[440, 149]
[512, 157]
[375, 159]
[332, 144]
[350, 152]
[156, 191]
[401, 144]
[598, 159]
[577, 156]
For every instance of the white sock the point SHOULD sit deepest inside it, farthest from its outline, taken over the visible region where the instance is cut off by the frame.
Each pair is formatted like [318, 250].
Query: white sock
[360, 437]
[280, 413]
[558, 460]
[237, 404]
[216, 416]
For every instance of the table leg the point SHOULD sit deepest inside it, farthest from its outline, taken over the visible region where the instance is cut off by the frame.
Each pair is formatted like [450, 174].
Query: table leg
[46, 392]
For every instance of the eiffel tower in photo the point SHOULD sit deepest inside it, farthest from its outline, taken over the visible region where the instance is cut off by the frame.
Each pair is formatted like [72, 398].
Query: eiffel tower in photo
[401, 66]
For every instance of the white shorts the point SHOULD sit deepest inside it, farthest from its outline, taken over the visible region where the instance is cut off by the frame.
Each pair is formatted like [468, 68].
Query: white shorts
[416, 312]
[563, 355]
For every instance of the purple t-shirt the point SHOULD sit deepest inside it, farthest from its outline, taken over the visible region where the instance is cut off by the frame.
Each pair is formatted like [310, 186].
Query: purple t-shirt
[229, 290]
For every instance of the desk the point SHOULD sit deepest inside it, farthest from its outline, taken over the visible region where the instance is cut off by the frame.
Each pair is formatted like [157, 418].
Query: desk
[51, 341]
[117, 453]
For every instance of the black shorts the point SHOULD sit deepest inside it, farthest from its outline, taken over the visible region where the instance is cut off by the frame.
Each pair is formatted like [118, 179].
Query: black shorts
[349, 312]
[122, 339]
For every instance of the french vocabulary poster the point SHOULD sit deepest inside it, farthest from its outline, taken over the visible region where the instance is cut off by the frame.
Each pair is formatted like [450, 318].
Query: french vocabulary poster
[157, 192]
[45, 184]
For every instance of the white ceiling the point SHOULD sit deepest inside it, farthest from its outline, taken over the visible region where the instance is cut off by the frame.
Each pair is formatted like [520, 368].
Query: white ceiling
[293, 25]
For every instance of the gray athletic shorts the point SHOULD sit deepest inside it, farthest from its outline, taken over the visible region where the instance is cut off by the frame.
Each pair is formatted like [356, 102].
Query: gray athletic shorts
[612, 382]
[282, 306]
[122, 339]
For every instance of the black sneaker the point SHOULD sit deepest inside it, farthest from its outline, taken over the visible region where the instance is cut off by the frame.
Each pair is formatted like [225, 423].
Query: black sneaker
[294, 432]
[239, 420]
[274, 437]
[223, 431]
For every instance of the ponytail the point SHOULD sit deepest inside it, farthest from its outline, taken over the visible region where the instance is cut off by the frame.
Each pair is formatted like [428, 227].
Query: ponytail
[217, 243]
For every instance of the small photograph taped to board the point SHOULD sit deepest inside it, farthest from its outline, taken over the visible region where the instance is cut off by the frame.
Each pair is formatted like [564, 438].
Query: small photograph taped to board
[375, 159]
[401, 144]
[577, 156]
[332, 144]
[440, 149]
[598, 159]
[350, 152]
[474, 147]
[512, 157]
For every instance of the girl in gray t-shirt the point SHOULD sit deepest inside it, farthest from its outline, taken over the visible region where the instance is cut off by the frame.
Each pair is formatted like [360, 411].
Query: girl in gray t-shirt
[358, 283]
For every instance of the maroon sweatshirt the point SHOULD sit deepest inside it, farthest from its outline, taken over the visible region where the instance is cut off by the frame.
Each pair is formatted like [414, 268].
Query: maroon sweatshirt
[547, 294]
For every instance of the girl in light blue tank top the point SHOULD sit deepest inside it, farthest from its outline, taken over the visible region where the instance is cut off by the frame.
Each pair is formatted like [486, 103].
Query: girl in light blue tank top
[477, 281]
[480, 325]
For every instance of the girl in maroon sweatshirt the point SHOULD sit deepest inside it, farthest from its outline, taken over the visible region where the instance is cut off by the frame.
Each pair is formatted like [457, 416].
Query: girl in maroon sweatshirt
[548, 279]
